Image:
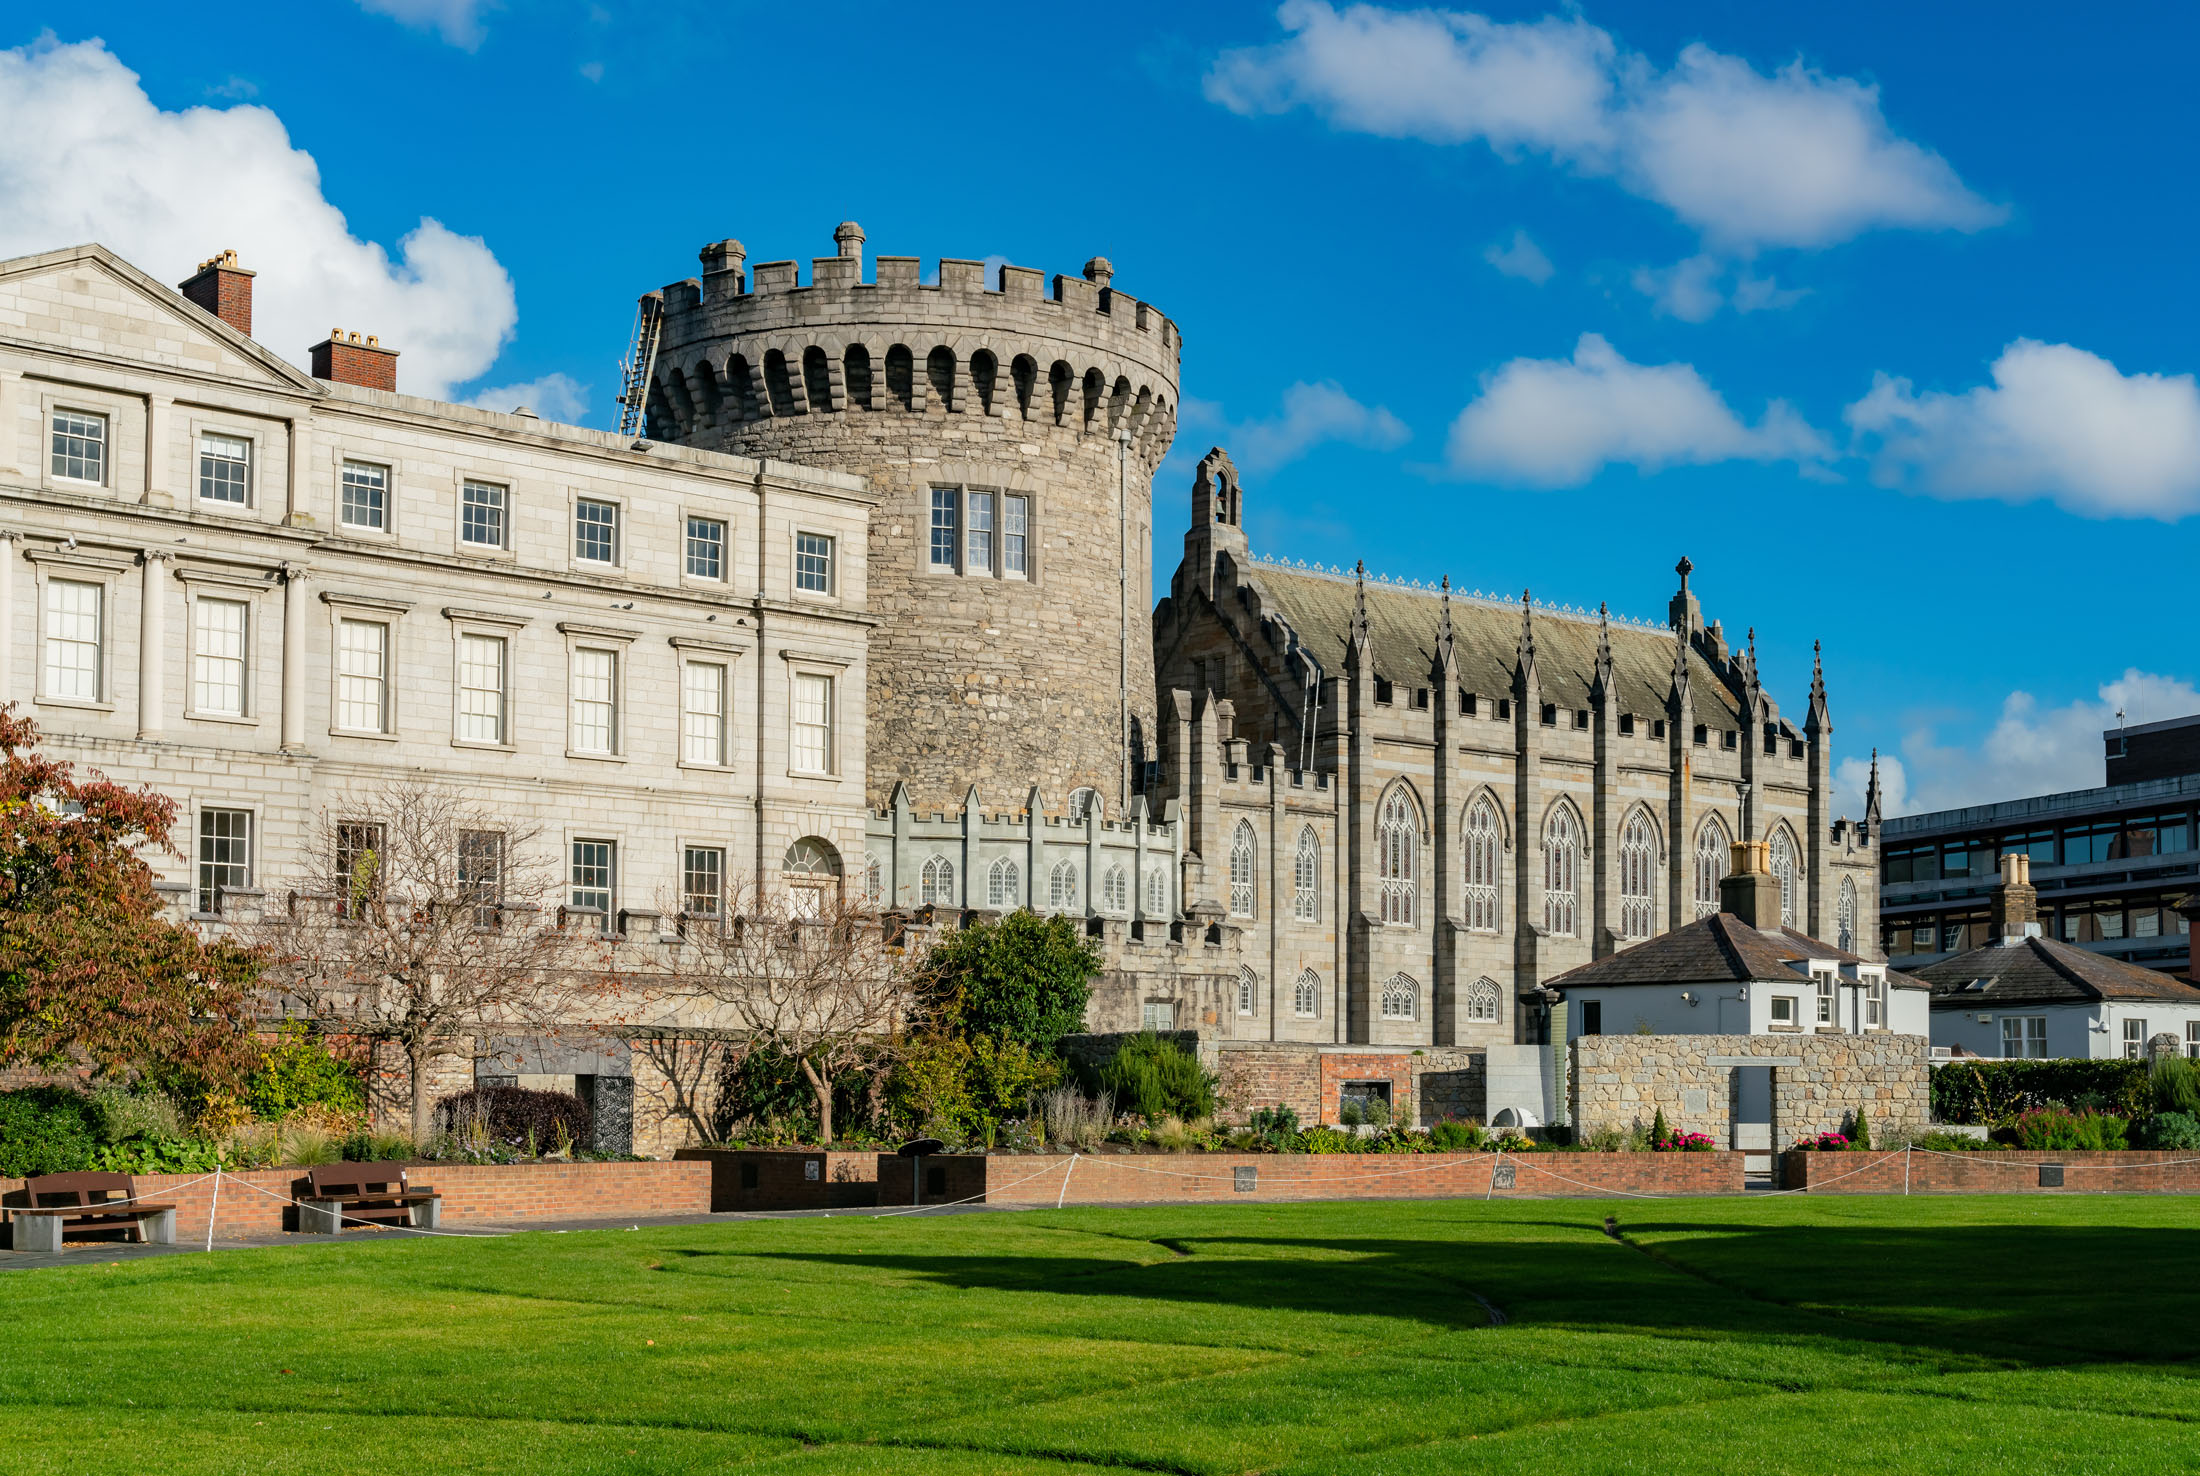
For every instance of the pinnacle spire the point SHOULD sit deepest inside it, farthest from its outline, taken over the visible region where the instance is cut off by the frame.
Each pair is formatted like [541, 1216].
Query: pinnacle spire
[1526, 651]
[1443, 625]
[1359, 604]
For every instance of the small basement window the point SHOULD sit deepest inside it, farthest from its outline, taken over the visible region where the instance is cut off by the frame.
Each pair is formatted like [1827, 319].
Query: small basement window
[1783, 1009]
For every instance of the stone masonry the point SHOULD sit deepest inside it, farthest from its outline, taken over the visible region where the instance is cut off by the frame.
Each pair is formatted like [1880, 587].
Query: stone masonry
[1819, 1082]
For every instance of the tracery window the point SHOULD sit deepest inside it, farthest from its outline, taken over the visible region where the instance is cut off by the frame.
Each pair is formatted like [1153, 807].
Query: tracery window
[936, 883]
[1397, 858]
[1401, 998]
[1115, 890]
[1638, 858]
[1248, 988]
[1062, 887]
[1485, 866]
[1241, 870]
[1307, 878]
[1845, 917]
[1711, 858]
[1482, 1000]
[1306, 998]
[1783, 867]
[1562, 874]
[1004, 884]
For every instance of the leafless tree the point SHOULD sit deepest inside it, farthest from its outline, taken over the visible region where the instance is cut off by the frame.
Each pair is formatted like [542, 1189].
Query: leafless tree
[802, 970]
[422, 914]
[689, 1066]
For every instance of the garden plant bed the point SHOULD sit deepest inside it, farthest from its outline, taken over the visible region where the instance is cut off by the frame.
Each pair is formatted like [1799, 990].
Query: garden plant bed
[1723, 1336]
[1991, 1171]
[257, 1202]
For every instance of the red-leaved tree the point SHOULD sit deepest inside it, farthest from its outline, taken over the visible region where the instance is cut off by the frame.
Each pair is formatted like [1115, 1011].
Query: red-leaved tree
[90, 973]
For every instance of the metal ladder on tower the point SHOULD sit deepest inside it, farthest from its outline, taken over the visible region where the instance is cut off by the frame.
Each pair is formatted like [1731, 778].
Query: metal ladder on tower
[640, 362]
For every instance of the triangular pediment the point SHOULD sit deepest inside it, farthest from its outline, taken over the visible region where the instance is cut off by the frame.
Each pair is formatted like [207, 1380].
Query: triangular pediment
[86, 300]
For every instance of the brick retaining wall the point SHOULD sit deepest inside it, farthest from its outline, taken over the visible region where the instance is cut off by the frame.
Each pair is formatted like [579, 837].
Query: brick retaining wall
[786, 1178]
[473, 1194]
[1038, 1179]
[1990, 1171]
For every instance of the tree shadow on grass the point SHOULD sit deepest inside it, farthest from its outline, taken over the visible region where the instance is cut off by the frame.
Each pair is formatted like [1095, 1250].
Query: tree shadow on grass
[2018, 1294]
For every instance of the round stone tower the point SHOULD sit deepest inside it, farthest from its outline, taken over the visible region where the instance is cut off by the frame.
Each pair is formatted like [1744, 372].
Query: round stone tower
[1012, 433]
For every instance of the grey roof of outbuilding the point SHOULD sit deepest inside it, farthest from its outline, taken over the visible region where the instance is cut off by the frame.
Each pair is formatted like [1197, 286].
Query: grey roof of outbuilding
[1719, 949]
[2043, 971]
[1486, 637]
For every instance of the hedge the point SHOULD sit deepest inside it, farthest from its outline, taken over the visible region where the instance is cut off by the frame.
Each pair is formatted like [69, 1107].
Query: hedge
[1994, 1092]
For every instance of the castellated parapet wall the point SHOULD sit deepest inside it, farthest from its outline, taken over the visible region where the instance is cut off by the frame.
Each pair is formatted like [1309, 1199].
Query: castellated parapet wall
[980, 672]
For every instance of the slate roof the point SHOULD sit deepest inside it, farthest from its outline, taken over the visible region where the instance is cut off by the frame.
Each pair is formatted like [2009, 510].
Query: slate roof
[1719, 949]
[2043, 971]
[1486, 636]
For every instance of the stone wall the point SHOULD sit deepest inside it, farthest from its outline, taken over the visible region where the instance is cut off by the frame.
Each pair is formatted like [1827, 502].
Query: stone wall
[1426, 1085]
[1819, 1082]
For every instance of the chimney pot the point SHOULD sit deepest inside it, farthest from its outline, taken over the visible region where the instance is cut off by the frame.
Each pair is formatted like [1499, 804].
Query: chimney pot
[1749, 890]
[222, 288]
[350, 358]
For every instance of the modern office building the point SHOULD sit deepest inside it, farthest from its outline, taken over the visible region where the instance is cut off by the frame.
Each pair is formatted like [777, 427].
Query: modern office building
[2112, 865]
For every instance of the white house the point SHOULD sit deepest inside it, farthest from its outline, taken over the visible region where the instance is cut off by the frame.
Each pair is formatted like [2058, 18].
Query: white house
[2029, 996]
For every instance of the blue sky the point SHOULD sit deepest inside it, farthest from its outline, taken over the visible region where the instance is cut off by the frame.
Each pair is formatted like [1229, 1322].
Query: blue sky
[1881, 314]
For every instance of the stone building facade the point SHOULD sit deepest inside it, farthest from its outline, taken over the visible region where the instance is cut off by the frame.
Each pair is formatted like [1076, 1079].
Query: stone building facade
[266, 595]
[1010, 433]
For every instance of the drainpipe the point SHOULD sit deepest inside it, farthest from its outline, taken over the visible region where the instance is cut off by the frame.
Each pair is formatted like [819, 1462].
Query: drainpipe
[1123, 603]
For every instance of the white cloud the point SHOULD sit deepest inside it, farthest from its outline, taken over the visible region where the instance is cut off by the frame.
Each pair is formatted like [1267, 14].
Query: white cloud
[1558, 422]
[1797, 158]
[2057, 422]
[2033, 750]
[553, 397]
[1312, 414]
[1520, 258]
[456, 21]
[86, 156]
[592, 71]
[1852, 778]
[1694, 289]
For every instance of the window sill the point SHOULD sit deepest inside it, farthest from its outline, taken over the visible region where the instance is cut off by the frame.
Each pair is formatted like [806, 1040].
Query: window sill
[81, 704]
[1777, 1029]
[704, 768]
[372, 535]
[601, 758]
[825, 774]
[362, 734]
[230, 719]
[217, 505]
[487, 552]
[594, 566]
[475, 743]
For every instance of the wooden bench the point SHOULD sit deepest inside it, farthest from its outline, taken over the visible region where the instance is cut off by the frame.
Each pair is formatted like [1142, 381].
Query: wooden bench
[56, 1206]
[340, 1194]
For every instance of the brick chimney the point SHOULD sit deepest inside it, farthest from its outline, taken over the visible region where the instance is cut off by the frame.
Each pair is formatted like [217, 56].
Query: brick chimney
[2013, 912]
[1749, 890]
[347, 358]
[224, 289]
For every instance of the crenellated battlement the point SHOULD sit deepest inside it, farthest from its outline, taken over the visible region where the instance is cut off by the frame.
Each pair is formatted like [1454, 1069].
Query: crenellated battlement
[743, 345]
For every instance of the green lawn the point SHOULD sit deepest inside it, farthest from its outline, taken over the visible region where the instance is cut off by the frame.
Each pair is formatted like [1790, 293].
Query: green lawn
[1971, 1335]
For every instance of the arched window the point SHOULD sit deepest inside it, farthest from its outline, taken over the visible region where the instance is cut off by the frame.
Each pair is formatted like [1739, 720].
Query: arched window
[1783, 867]
[1397, 858]
[874, 882]
[1711, 857]
[939, 373]
[1306, 999]
[901, 377]
[1115, 890]
[1004, 884]
[740, 389]
[1306, 878]
[855, 376]
[817, 380]
[1241, 870]
[1485, 866]
[1401, 998]
[1248, 991]
[1562, 874]
[1482, 997]
[936, 883]
[1061, 379]
[1082, 802]
[1062, 887]
[1844, 916]
[778, 387]
[1157, 892]
[984, 371]
[811, 872]
[1638, 863]
[1023, 371]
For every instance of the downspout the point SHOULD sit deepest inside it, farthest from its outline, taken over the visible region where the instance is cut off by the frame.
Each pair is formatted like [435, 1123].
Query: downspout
[757, 607]
[1123, 603]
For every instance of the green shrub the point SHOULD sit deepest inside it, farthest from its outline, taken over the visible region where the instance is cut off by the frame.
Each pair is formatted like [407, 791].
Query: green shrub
[372, 1147]
[45, 1130]
[1155, 1077]
[2082, 1131]
[1277, 1128]
[1994, 1093]
[1861, 1138]
[158, 1156]
[1025, 978]
[299, 1070]
[1949, 1142]
[2176, 1131]
[1453, 1136]
[121, 1114]
[2175, 1081]
[1328, 1140]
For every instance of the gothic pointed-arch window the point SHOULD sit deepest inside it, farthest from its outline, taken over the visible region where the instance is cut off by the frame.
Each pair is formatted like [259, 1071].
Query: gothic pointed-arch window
[1248, 992]
[1401, 998]
[1711, 857]
[1306, 999]
[1638, 863]
[1062, 887]
[1241, 870]
[1397, 859]
[1306, 877]
[874, 882]
[1783, 867]
[936, 883]
[1004, 884]
[1482, 998]
[1845, 917]
[1115, 890]
[1157, 892]
[811, 871]
[1562, 874]
[1485, 866]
